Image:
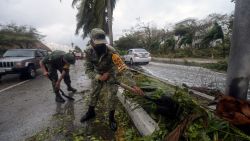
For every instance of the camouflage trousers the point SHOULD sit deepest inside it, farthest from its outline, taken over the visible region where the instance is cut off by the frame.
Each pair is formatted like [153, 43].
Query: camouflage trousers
[110, 95]
[54, 77]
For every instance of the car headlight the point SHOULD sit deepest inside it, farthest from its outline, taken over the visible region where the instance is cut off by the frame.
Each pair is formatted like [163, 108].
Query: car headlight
[18, 64]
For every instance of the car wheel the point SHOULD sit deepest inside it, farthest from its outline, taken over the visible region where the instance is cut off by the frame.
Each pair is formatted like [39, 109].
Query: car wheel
[31, 72]
[131, 61]
[146, 63]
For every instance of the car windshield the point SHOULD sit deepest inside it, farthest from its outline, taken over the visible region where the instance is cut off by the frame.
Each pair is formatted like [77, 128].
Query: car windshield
[19, 53]
[140, 50]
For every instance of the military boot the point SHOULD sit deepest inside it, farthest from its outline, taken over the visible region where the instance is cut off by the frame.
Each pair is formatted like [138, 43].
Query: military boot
[89, 115]
[112, 122]
[59, 98]
[72, 89]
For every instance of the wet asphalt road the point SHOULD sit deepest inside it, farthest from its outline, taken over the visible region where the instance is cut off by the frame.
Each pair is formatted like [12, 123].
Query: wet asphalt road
[27, 107]
[189, 75]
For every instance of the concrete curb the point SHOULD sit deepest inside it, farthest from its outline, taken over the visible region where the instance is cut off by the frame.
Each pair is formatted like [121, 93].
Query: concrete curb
[142, 121]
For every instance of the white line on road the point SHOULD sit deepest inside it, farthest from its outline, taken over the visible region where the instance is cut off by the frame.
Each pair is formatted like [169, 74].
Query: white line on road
[10, 87]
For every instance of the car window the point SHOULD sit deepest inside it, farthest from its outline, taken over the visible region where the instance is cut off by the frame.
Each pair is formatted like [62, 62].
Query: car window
[39, 54]
[45, 53]
[19, 53]
[130, 52]
[140, 50]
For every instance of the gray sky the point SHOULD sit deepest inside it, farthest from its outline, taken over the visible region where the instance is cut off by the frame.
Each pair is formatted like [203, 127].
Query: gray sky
[57, 20]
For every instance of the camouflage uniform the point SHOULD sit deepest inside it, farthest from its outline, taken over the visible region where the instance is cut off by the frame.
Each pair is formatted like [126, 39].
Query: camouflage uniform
[96, 66]
[54, 62]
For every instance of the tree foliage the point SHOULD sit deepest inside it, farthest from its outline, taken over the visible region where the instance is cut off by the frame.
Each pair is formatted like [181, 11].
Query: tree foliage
[185, 34]
[213, 34]
[185, 31]
[144, 36]
[77, 49]
[92, 14]
[181, 30]
[13, 33]
[127, 42]
[169, 43]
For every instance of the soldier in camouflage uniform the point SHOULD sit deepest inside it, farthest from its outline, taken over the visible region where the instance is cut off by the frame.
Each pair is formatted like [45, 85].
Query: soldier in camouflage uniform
[58, 60]
[101, 69]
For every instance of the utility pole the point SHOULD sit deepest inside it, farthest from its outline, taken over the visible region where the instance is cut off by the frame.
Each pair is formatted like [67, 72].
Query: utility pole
[110, 19]
[238, 73]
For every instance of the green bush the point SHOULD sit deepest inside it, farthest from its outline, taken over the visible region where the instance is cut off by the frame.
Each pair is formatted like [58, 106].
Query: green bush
[122, 52]
[209, 52]
[220, 66]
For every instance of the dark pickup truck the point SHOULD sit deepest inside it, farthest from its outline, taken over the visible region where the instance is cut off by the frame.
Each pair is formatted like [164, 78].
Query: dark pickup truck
[21, 61]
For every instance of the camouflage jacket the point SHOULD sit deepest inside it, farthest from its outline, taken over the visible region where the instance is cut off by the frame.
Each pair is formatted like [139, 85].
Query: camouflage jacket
[55, 60]
[95, 66]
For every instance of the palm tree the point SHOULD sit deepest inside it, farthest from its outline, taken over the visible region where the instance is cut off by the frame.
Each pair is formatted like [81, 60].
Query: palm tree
[239, 65]
[94, 13]
[213, 34]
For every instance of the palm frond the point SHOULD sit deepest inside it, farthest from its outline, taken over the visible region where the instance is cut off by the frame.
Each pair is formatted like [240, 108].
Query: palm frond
[91, 14]
[113, 2]
[74, 2]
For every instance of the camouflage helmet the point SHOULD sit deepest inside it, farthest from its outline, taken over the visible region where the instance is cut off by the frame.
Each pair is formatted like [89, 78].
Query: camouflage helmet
[70, 58]
[98, 36]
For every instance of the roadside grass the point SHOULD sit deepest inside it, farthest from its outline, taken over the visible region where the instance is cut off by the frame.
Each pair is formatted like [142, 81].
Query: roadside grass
[220, 66]
[217, 52]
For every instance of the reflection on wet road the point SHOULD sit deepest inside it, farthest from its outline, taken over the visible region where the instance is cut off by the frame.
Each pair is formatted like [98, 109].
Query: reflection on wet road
[29, 107]
[13, 79]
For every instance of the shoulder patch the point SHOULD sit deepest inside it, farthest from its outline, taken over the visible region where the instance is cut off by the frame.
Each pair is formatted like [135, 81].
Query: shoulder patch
[66, 66]
[111, 49]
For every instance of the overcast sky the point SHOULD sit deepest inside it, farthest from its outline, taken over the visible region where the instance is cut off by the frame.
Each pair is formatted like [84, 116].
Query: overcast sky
[57, 20]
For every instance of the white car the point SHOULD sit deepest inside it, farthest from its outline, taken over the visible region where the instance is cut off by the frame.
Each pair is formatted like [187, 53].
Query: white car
[137, 55]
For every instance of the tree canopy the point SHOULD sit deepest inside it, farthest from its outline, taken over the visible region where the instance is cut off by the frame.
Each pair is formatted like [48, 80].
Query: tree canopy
[187, 33]
[92, 14]
[213, 34]
[12, 33]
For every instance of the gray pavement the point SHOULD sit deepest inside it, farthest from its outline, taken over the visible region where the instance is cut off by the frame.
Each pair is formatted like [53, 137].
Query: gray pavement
[189, 75]
[29, 107]
[185, 60]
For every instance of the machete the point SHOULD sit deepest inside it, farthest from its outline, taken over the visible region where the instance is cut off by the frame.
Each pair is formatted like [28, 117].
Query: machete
[62, 92]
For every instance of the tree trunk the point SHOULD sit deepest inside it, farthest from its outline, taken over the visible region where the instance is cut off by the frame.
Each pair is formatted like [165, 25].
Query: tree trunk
[239, 59]
[110, 19]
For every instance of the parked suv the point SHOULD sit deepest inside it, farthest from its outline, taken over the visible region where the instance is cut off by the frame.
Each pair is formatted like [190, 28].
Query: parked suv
[137, 55]
[22, 61]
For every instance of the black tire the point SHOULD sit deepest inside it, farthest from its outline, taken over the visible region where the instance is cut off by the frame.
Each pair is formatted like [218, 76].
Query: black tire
[31, 72]
[146, 63]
